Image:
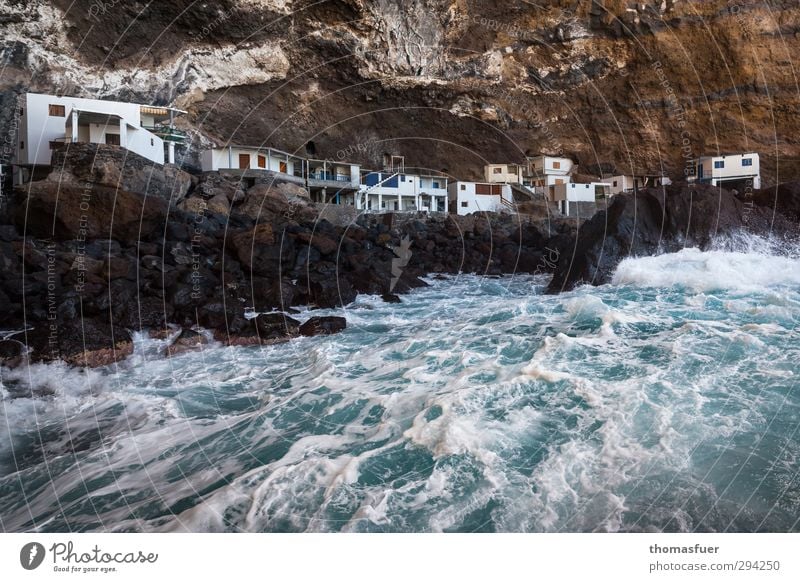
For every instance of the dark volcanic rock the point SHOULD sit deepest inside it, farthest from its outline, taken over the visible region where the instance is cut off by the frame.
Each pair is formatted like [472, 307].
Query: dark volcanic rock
[323, 326]
[188, 341]
[649, 222]
[69, 211]
[80, 342]
[12, 352]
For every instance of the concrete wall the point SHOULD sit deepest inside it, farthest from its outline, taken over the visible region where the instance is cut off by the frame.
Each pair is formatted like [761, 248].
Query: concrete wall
[228, 159]
[734, 168]
[39, 128]
[503, 173]
[463, 198]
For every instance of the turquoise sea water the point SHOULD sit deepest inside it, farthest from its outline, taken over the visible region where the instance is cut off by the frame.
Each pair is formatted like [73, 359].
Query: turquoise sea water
[666, 401]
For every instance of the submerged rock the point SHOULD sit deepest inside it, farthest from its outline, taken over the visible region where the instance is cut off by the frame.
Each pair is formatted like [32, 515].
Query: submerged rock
[323, 326]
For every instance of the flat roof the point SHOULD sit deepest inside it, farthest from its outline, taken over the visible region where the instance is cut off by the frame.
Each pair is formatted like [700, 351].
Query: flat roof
[165, 108]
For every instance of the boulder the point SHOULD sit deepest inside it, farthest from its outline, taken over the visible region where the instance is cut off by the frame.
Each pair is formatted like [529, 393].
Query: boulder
[12, 353]
[323, 326]
[118, 168]
[188, 341]
[83, 342]
[68, 211]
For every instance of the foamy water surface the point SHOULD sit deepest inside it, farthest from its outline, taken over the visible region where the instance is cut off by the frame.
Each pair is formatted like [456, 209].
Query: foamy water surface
[665, 401]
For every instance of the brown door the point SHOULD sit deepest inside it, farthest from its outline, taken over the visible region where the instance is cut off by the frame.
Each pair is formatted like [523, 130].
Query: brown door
[244, 161]
[262, 162]
[284, 168]
[497, 190]
[112, 139]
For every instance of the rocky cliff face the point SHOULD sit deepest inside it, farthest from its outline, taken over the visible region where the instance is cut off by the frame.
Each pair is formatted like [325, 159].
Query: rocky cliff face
[449, 83]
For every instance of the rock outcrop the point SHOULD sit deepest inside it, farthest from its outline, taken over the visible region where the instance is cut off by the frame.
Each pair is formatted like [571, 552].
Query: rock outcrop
[664, 220]
[86, 264]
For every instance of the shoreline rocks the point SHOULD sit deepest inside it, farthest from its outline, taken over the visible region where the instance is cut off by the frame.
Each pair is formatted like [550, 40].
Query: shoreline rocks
[157, 262]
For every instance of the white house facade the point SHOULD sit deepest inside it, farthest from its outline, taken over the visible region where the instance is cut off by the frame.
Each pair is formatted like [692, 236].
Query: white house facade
[547, 171]
[567, 194]
[253, 159]
[732, 170]
[49, 122]
[389, 191]
[333, 182]
[629, 183]
[469, 197]
[504, 173]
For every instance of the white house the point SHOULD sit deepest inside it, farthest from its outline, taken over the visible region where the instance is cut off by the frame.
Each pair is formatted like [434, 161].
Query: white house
[629, 183]
[396, 191]
[567, 194]
[544, 171]
[504, 173]
[468, 197]
[732, 170]
[252, 160]
[333, 182]
[50, 122]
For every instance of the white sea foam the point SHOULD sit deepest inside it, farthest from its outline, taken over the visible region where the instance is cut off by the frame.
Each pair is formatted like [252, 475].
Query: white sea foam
[604, 409]
[702, 272]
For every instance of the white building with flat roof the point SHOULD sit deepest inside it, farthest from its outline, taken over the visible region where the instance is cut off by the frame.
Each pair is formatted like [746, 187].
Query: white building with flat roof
[469, 197]
[630, 183]
[397, 191]
[566, 195]
[49, 122]
[544, 171]
[730, 170]
[252, 160]
[504, 173]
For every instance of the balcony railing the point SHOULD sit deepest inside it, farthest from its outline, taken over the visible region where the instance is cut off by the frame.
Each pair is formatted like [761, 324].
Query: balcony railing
[329, 176]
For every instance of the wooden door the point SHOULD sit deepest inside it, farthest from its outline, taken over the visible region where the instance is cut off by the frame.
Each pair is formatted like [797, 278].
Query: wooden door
[244, 161]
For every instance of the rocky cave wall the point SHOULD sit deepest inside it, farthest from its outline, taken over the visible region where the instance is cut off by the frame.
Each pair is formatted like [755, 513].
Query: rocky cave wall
[448, 83]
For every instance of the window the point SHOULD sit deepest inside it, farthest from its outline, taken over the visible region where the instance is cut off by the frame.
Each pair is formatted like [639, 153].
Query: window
[615, 183]
[747, 162]
[22, 112]
[262, 161]
[719, 164]
[284, 168]
[57, 111]
[112, 139]
[435, 185]
[497, 170]
[559, 181]
[463, 186]
[383, 204]
[402, 178]
[464, 204]
[152, 142]
[22, 145]
[556, 165]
